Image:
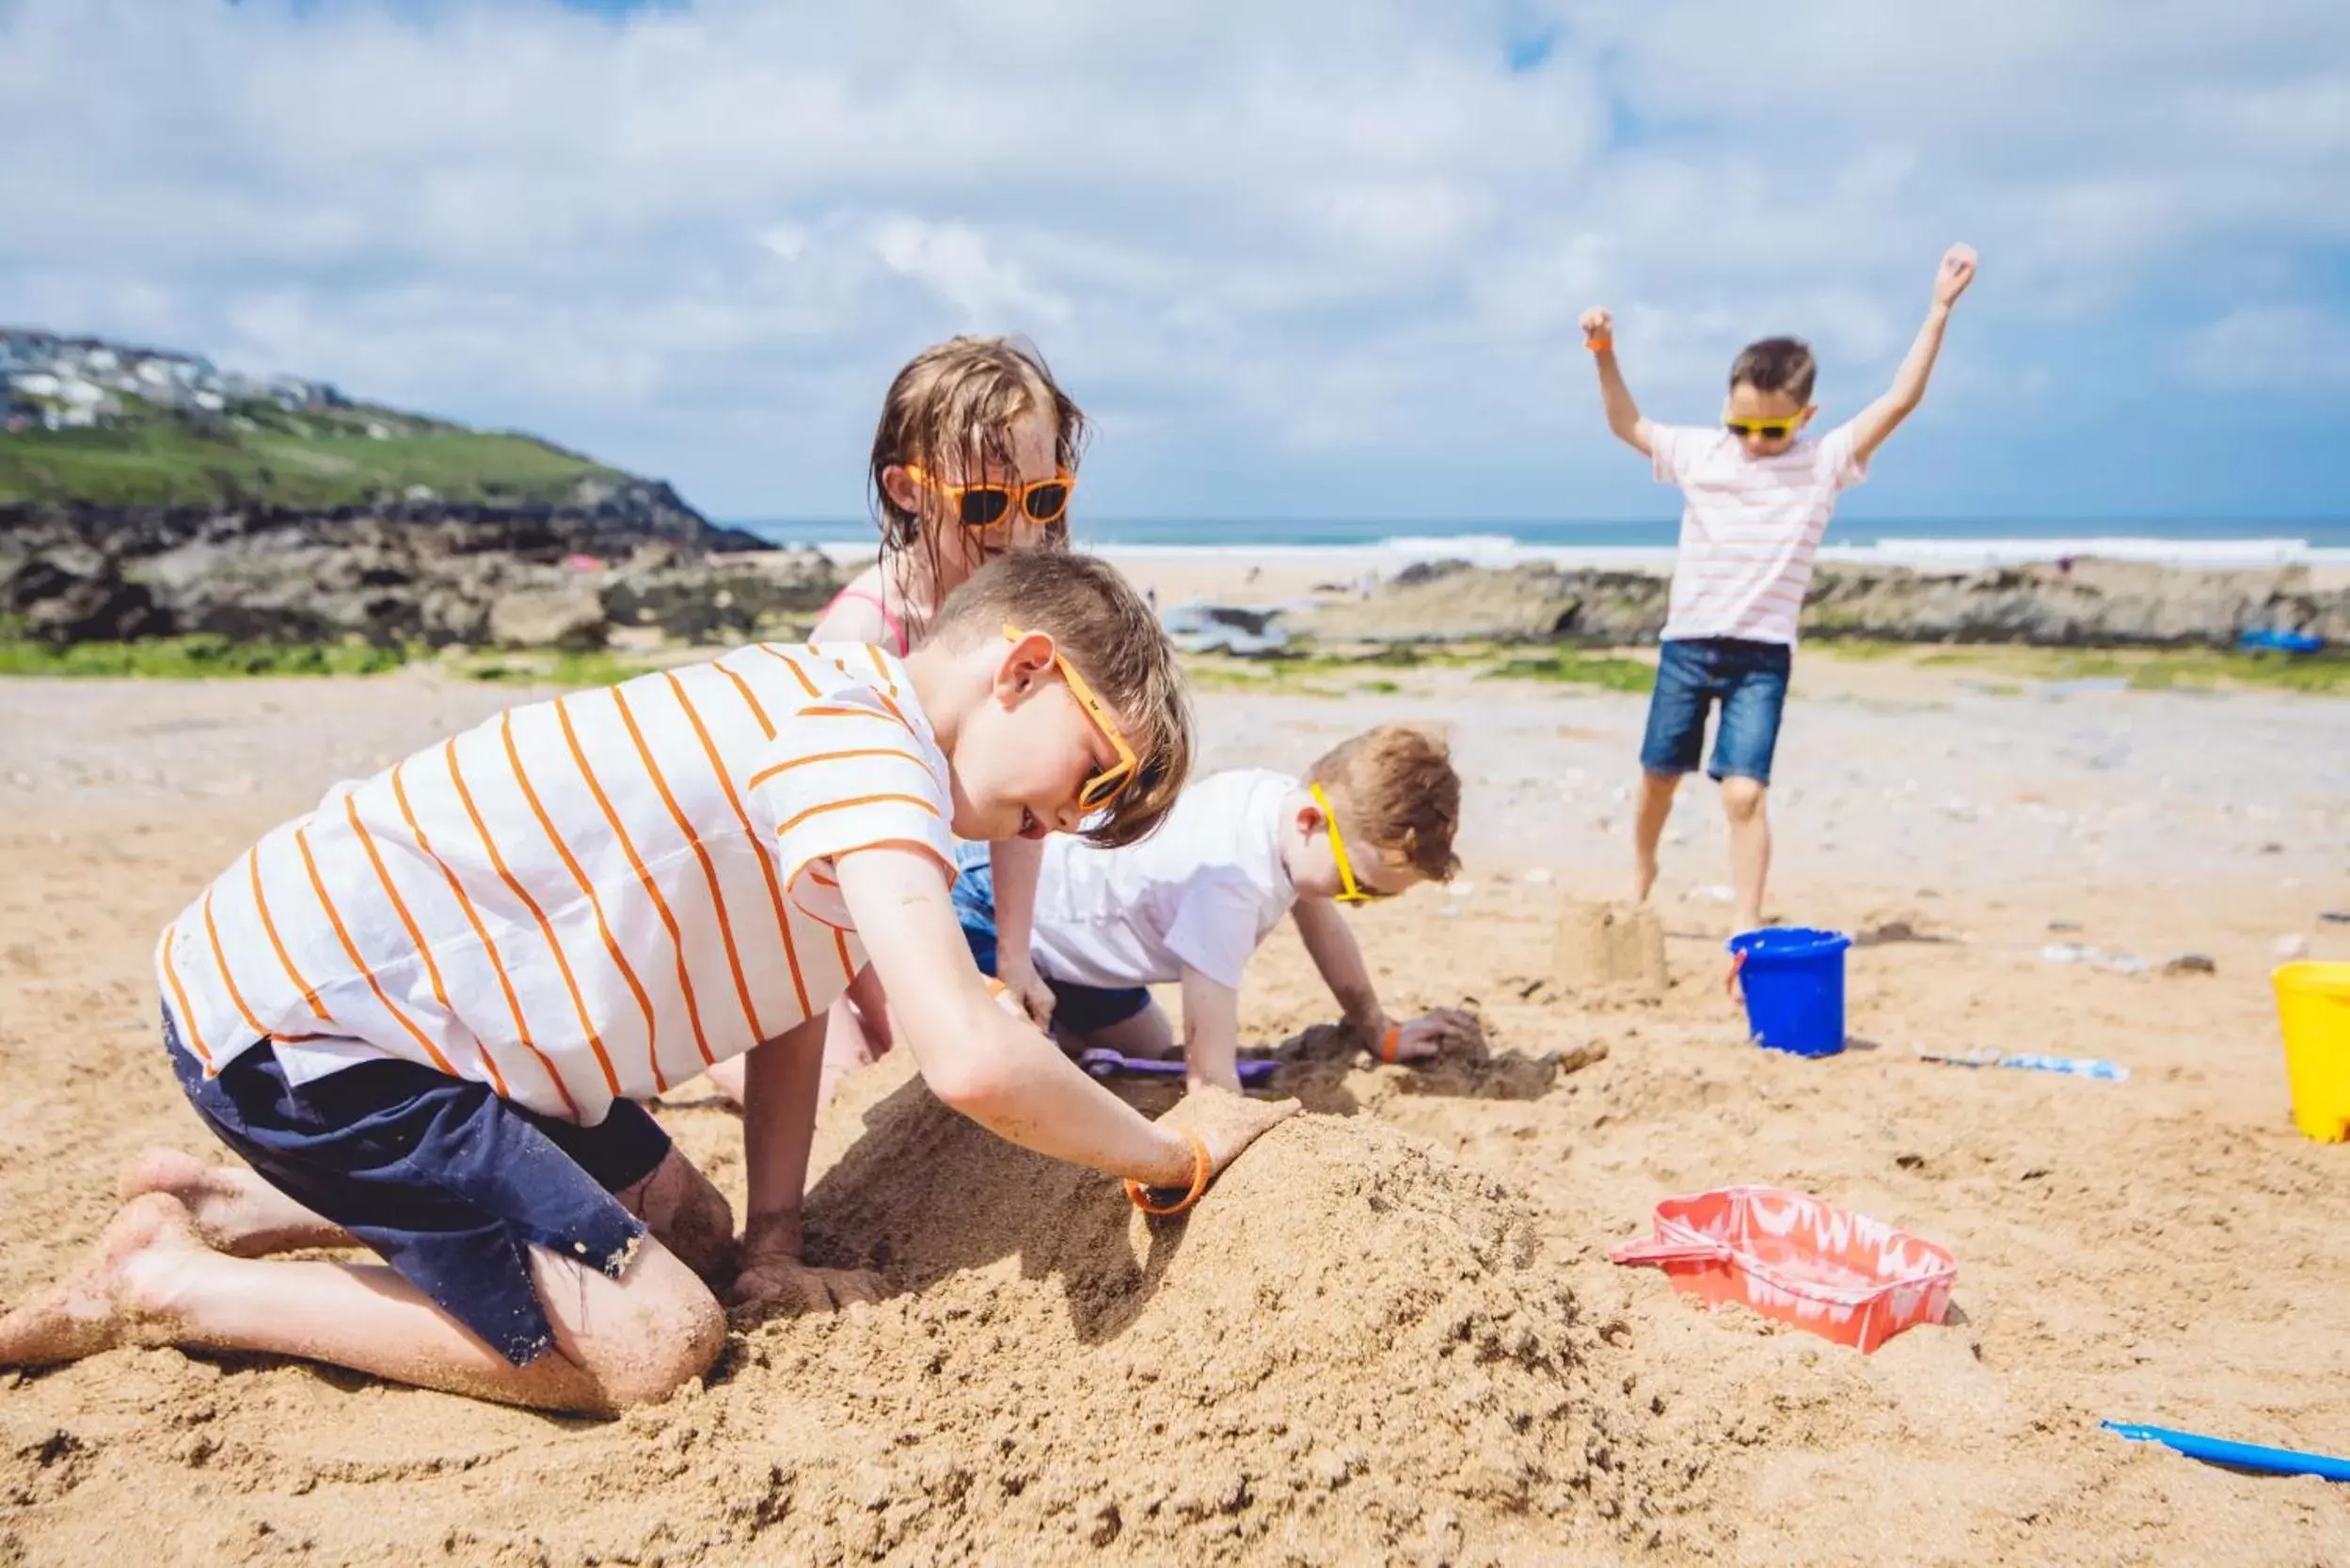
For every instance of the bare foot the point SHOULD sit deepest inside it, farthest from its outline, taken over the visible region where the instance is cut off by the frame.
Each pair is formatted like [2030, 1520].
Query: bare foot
[234, 1209]
[1644, 877]
[120, 1295]
[166, 1170]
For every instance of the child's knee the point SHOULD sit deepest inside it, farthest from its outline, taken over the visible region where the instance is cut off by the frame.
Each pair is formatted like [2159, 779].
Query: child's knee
[675, 1337]
[670, 1365]
[1743, 798]
[701, 1334]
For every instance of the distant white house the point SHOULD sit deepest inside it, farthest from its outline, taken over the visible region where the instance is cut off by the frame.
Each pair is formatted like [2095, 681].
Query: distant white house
[72, 382]
[294, 394]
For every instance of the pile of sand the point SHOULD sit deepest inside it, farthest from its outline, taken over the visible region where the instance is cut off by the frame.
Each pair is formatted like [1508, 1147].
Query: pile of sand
[1351, 1349]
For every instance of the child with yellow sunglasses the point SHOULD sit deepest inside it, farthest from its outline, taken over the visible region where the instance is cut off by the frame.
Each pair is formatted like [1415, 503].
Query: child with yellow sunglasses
[1758, 492]
[1187, 906]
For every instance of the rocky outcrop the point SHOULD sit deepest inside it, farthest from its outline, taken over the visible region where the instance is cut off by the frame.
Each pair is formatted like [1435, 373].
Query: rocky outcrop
[719, 599]
[618, 551]
[79, 596]
[2092, 603]
[604, 515]
[556, 615]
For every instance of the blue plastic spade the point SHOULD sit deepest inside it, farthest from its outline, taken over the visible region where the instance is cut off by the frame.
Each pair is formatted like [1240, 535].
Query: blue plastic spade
[2240, 1456]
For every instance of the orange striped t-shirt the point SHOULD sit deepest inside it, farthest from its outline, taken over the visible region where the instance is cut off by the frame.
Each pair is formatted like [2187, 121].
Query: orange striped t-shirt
[577, 900]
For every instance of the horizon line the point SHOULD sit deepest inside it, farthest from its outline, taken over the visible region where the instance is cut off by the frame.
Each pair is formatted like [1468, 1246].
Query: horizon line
[2263, 519]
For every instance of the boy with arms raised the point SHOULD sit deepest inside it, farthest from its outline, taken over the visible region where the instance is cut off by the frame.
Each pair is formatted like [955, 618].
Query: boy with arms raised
[1373, 818]
[1758, 494]
[425, 1012]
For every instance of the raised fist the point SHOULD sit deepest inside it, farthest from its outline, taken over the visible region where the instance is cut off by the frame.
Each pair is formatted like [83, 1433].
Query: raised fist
[1956, 272]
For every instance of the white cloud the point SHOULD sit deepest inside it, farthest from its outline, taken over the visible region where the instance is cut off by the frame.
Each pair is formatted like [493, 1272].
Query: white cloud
[954, 261]
[1296, 257]
[2271, 347]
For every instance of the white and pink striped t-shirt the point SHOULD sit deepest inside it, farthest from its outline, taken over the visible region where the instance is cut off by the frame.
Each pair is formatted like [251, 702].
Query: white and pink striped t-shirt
[579, 901]
[1750, 528]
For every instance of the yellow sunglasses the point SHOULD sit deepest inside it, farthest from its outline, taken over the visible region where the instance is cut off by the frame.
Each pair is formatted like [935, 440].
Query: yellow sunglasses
[989, 506]
[1355, 893]
[1103, 788]
[1769, 430]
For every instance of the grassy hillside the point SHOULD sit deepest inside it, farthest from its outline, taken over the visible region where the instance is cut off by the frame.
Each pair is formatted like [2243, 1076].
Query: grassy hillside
[259, 452]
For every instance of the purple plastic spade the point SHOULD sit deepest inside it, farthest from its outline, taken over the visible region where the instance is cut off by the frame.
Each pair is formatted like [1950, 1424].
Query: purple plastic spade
[1254, 1070]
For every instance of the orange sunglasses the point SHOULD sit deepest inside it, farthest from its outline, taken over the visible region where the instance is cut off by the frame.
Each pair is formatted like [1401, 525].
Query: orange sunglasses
[1103, 788]
[987, 506]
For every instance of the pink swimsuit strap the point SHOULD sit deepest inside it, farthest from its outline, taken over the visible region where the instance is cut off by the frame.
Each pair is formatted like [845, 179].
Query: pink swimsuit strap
[890, 623]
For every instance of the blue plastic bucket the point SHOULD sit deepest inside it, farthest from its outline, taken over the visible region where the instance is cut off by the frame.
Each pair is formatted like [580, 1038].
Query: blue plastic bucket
[1793, 982]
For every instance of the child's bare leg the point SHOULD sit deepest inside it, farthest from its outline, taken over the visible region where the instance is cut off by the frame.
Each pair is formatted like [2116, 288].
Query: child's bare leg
[847, 1044]
[726, 1077]
[232, 1208]
[1654, 810]
[1743, 801]
[236, 1210]
[150, 1280]
[869, 1004]
[687, 1214]
[1148, 1032]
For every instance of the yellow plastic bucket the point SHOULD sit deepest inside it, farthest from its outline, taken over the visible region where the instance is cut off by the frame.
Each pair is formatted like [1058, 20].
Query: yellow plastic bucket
[2314, 1006]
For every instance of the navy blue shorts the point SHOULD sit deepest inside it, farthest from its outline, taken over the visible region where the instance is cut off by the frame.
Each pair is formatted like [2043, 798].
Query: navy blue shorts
[1749, 679]
[1076, 1009]
[448, 1182]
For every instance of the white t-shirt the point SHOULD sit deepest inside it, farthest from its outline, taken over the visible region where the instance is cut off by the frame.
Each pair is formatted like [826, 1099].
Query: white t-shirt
[1750, 528]
[1202, 891]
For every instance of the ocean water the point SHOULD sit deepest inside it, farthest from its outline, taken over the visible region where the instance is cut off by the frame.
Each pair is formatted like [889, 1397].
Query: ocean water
[2209, 542]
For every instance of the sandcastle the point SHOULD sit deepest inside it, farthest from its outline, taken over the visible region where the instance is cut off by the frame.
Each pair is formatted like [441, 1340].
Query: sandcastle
[1611, 946]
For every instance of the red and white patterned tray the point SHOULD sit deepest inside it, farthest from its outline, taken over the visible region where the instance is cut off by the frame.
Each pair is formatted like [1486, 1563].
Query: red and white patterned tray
[1786, 1255]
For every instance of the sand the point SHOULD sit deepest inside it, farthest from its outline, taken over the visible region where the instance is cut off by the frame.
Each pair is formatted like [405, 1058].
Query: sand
[1392, 1334]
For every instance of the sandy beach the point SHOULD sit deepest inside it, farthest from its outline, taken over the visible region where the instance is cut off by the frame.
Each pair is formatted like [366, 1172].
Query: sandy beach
[1392, 1333]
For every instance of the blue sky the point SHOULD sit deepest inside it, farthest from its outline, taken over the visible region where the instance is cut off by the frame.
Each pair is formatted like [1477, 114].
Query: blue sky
[1315, 259]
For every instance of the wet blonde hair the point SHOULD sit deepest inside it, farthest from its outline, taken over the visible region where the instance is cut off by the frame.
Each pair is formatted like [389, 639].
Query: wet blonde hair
[953, 408]
[1102, 626]
[1395, 788]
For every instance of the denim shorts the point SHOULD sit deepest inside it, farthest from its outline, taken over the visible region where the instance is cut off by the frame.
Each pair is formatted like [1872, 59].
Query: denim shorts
[446, 1182]
[1749, 679]
[1076, 1009]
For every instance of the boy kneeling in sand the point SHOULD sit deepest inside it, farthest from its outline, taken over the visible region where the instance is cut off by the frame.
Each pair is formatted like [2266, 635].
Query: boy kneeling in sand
[424, 1012]
[1758, 494]
[1188, 905]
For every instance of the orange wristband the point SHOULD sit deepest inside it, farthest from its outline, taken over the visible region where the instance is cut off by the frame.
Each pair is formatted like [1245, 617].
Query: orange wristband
[1142, 1195]
[1388, 1041]
[1600, 345]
